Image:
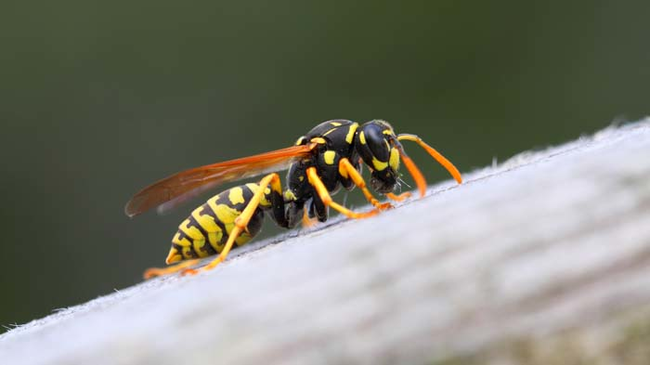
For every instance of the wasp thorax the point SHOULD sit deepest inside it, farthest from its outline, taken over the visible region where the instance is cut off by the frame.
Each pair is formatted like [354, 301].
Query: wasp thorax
[375, 144]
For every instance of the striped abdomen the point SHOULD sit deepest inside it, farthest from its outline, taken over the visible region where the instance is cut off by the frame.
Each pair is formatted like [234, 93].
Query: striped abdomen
[206, 230]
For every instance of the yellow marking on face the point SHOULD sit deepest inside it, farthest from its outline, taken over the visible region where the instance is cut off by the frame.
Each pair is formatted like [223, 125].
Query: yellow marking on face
[394, 159]
[236, 195]
[329, 157]
[300, 140]
[198, 245]
[336, 124]
[181, 242]
[301, 178]
[387, 131]
[350, 136]
[190, 230]
[379, 165]
[362, 138]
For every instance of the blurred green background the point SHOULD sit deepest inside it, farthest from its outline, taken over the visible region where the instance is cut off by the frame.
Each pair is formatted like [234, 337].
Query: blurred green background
[98, 100]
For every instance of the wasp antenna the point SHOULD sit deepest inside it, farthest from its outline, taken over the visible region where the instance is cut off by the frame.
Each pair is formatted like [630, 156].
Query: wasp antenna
[413, 170]
[435, 154]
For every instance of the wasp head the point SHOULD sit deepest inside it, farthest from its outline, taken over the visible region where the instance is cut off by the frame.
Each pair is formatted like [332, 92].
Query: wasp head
[377, 145]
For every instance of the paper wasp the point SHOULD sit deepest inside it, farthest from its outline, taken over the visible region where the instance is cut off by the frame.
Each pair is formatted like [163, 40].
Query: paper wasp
[329, 156]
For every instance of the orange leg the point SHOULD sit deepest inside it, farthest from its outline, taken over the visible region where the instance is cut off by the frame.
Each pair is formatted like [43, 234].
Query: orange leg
[306, 221]
[240, 223]
[240, 226]
[347, 170]
[324, 195]
[154, 271]
[398, 198]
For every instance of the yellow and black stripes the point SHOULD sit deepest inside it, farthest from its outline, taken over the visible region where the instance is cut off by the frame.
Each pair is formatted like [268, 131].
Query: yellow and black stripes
[241, 223]
[338, 150]
[206, 230]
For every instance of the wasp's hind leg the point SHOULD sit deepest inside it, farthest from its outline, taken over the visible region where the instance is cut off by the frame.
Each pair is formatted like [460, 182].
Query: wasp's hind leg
[325, 197]
[241, 222]
[155, 271]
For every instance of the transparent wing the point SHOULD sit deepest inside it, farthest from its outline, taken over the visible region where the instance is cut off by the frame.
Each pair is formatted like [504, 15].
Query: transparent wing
[173, 190]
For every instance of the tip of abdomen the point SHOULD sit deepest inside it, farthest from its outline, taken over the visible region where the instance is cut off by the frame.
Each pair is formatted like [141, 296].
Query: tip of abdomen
[173, 256]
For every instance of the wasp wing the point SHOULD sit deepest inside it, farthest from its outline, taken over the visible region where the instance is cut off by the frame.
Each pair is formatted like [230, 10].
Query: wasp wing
[179, 187]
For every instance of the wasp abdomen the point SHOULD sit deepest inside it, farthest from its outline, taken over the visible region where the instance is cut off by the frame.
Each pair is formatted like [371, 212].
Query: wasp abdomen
[206, 231]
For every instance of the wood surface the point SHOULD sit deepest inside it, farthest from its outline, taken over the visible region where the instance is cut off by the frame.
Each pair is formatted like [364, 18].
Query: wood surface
[543, 259]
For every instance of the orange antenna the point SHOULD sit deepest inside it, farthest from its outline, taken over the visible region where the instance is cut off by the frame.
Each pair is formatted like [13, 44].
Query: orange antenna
[435, 154]
[413, 170]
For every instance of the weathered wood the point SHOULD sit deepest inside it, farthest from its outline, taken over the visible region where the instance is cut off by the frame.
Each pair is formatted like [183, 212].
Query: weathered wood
[543, 259]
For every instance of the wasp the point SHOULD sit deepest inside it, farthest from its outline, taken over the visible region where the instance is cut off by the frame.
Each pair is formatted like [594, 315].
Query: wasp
[328, 157]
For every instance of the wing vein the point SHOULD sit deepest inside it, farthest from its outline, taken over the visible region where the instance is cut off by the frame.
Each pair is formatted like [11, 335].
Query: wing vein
[182, 186]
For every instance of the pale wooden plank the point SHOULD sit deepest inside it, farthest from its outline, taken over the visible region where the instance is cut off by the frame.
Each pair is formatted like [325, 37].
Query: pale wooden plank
[542, 259]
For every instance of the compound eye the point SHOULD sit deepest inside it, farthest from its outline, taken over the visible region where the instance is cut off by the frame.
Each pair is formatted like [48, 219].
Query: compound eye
[377, 142]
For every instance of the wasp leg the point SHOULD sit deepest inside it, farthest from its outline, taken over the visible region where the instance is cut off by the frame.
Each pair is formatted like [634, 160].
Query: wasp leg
[154, 271]
[324, 195]
[347, 170]
[306, 221]
[240, 222]
[417, 175]
[398, 198]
